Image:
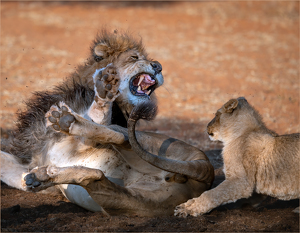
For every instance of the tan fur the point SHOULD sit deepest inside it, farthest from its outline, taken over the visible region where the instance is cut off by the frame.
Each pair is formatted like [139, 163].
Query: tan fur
[91, 160]
[109, 46]
[256, 159]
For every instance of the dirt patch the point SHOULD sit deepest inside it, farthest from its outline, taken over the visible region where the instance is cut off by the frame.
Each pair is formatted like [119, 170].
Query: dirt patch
[27, 212]
[210, 52]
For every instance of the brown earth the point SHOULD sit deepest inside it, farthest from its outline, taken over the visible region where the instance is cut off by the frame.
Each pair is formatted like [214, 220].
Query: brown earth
[210, 52]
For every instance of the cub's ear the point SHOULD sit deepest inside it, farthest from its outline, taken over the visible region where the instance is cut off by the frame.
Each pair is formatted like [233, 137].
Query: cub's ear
[231, 105]
[100, 52]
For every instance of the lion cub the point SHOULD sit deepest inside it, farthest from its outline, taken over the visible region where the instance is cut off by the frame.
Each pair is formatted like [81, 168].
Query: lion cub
[256, 159]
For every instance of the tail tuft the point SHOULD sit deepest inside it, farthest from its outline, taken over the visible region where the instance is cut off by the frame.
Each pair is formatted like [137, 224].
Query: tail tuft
[145, 110]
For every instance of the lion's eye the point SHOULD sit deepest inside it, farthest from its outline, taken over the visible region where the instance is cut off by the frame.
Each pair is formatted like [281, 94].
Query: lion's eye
[135, 57]
[98, 58]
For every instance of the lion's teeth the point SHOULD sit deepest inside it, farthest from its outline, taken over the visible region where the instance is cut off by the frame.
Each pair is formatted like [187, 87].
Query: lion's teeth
[148, 92]
[139, 88]
[141, 80]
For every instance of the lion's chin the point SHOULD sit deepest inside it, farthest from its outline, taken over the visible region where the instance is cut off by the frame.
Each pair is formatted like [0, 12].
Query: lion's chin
[142, 84]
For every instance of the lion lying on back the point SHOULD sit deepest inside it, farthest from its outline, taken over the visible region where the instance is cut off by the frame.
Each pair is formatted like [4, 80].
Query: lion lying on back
[75, 137]
[256, 159]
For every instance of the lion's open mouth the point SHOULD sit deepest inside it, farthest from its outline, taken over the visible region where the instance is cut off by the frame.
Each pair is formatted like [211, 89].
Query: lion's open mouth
[142, 84]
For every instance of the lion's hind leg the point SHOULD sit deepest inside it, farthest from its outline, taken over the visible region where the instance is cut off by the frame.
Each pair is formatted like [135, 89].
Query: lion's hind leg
[12, 171]
[41, 178]
[100, 191]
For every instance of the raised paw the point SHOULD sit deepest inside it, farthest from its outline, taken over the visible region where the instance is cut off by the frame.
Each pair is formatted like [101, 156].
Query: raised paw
[107, 84]
[37, 179]
[60, 117]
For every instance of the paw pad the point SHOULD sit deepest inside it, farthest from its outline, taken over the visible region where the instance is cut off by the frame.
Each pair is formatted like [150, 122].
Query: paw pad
[60, 118]
[107, 83]
[37, 179]
[30, 180]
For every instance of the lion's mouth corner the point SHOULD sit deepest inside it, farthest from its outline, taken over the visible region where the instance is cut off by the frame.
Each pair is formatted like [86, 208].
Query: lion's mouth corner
[142, 84]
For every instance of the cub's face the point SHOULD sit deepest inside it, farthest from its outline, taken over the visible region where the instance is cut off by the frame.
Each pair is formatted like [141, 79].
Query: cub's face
[213, 127]
[235, 117]
[223, 125]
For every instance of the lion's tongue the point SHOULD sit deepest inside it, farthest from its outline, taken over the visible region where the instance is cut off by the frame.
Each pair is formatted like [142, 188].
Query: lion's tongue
[145, 81]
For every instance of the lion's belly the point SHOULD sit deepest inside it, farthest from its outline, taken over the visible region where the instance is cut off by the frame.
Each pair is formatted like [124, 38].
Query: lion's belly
[72, 152]
[68, 152]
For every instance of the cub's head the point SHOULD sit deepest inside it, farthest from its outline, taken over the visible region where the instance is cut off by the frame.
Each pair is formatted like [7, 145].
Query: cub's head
[233, 119]
[139, 75]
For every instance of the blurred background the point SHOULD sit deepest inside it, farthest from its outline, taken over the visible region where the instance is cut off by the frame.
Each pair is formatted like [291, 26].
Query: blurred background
[210, 52]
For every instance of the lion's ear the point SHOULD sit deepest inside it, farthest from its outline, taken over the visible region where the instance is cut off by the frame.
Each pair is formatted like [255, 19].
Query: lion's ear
[101, 51]
[231, 105]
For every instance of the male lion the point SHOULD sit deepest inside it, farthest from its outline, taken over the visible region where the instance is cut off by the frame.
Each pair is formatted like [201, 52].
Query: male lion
[75, 137]
[256, 159]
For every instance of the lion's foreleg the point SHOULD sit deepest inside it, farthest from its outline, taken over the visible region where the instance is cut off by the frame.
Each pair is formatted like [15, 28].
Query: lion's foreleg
[65, 120]
[96, 132]
[100, 112]
[228, 191]
[12, 171]
[106, 84]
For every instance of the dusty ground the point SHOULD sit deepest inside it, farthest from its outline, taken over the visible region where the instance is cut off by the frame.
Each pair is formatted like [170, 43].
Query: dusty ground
[210, 52]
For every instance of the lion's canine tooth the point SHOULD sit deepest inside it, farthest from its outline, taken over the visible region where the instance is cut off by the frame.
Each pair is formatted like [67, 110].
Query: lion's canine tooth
[148, 92]
[139, 88]
[141, 80]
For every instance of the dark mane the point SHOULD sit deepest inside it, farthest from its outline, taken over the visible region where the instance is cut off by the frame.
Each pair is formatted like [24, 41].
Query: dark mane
[117, 117]
[30, 135]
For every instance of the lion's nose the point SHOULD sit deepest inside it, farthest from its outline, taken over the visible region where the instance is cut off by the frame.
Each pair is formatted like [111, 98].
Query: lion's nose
[156, 67]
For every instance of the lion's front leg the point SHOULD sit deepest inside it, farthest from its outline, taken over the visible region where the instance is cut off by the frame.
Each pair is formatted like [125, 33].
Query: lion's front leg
[228, 191]
[63, 119]
[106, 87]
